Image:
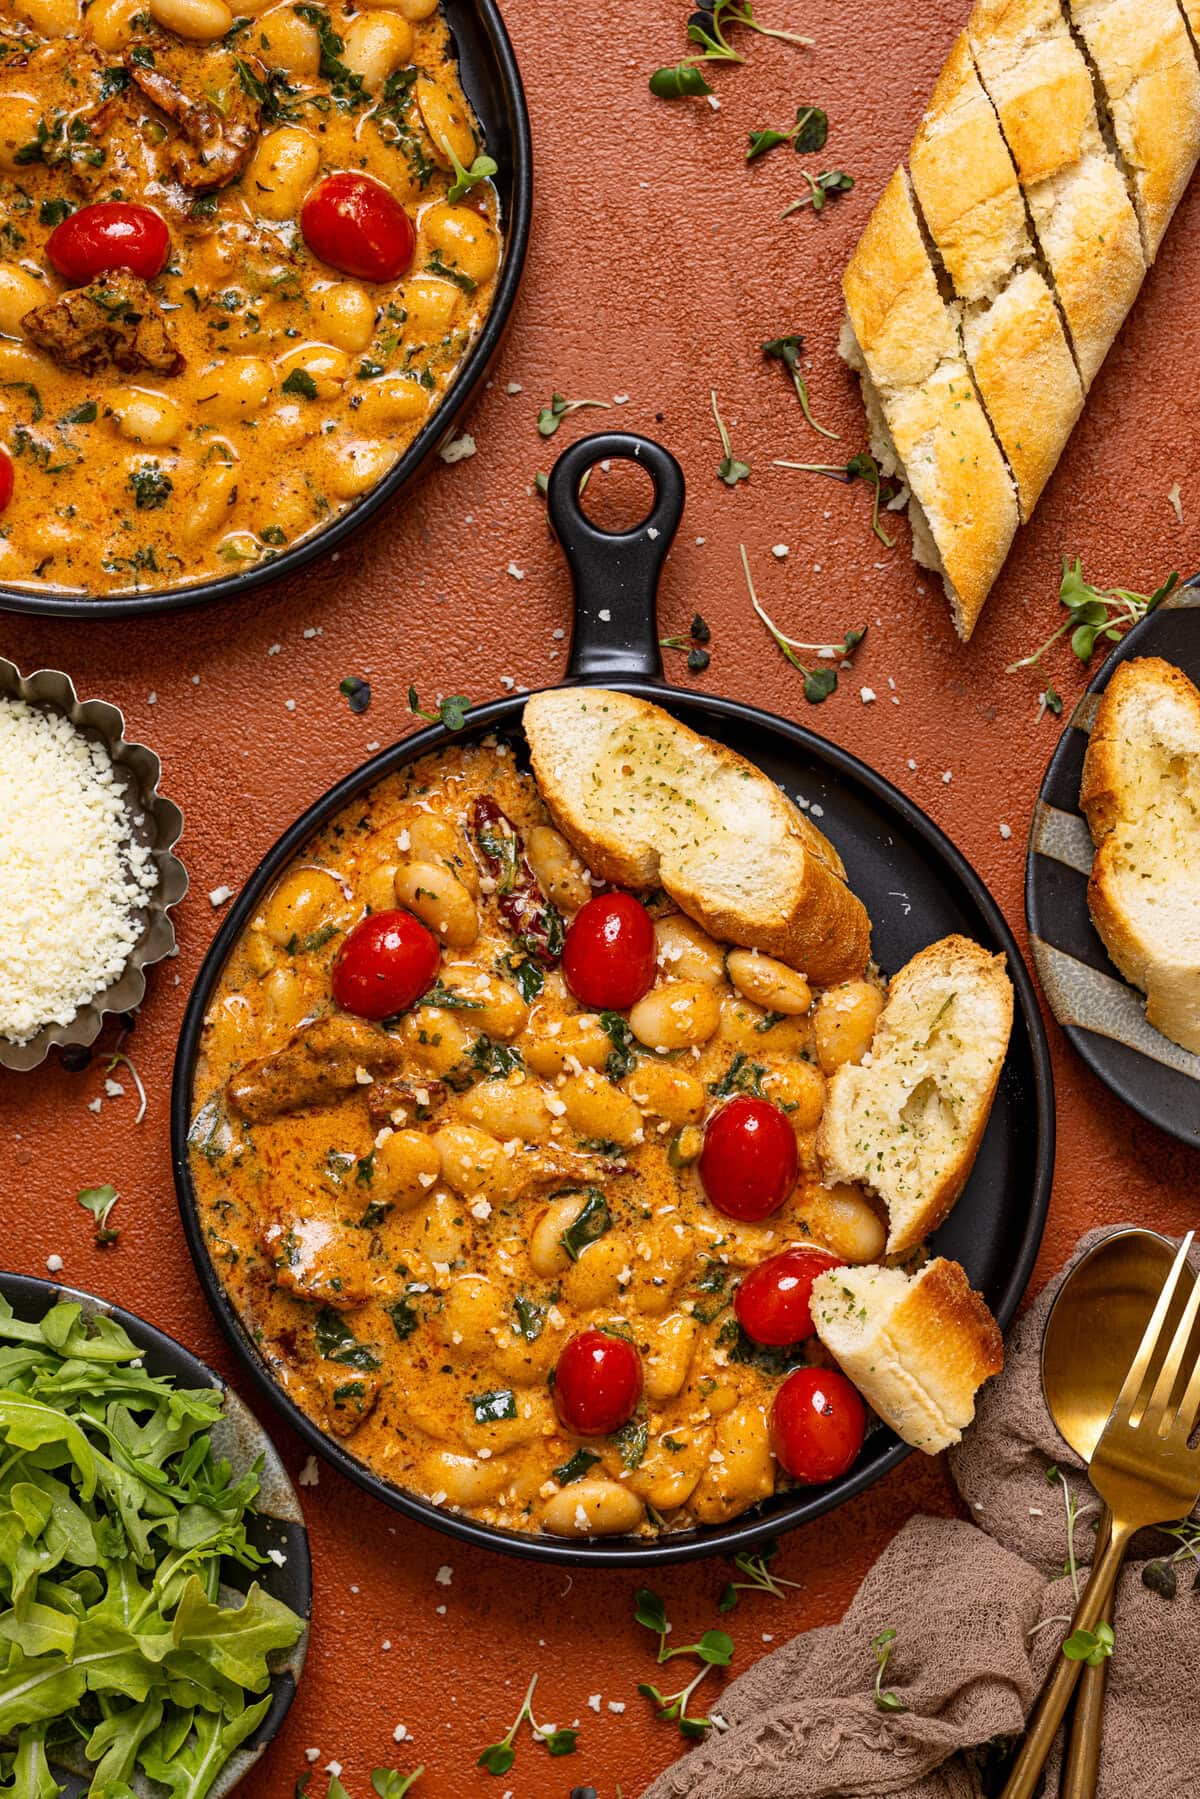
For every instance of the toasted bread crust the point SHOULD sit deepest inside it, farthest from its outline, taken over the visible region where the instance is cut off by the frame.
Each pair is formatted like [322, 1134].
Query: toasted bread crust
[844, 1152]
[806, 915]
[1150, 958]
[918, 1349]
[903, 326]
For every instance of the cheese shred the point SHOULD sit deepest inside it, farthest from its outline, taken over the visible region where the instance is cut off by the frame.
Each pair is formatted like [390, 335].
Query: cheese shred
[73, 878]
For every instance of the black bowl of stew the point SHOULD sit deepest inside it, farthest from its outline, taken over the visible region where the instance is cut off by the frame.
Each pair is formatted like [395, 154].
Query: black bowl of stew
[490, 79]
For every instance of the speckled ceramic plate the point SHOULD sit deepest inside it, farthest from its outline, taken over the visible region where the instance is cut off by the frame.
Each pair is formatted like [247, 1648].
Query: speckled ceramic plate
[1102, 1015]
[154, 821]
[278, 1523]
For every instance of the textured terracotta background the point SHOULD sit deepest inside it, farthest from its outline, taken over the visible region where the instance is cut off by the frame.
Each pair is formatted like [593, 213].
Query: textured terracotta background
[658, 265]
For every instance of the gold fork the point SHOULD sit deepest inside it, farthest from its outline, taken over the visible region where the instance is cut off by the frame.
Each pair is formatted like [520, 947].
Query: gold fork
[1145, 1472]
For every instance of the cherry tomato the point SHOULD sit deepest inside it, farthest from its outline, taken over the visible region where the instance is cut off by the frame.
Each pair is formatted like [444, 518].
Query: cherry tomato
[112, 234]
[597, 1383]
[388, 960]
[772, 1303]
[749, 1162]
[817, 1424]
[6, 479]
[609, 954]
[354, 224]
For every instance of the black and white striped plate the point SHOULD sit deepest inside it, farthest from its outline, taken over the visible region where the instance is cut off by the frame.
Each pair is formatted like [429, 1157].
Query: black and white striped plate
[1102, 1015]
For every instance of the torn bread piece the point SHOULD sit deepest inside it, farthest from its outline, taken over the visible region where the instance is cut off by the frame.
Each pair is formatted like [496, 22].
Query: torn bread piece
[967, 190]
[1140, 794]
[1150, 80]
[917, 1348]
[926, 420]
[907, 1121]
[1041, 87]
[648, 803]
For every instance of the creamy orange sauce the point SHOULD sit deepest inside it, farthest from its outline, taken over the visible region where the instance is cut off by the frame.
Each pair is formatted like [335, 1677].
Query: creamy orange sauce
[405, 1272]
[299, 386]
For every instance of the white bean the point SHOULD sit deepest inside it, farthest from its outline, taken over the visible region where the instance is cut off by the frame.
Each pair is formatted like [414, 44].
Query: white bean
[203, 21]
[547, 1256]
[676, 1015]
[464, 1479]
[145, 417]
[685, 952]
[282, 171]
[770, 984]
[557, 869]
[592, 1508]
[440, 901]
[376, 45]
[509, 1110]
[19, 294]
[599, 1111]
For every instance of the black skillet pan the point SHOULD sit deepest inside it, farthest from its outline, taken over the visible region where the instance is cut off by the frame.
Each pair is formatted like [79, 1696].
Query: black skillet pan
[916, 887]
[492, 81]
[1103, 1017]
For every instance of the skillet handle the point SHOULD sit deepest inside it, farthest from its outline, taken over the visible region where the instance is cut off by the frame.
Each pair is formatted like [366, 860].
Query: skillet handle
[615, 573]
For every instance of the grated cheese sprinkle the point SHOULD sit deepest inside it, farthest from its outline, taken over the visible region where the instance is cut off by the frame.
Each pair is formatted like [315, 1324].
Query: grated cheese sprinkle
[72, 878]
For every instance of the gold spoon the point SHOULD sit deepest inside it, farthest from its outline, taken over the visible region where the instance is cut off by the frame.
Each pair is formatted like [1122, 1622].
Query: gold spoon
[1091, 1337]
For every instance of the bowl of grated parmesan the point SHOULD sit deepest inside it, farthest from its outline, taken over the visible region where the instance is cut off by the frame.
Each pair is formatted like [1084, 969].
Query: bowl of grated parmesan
[88, 872]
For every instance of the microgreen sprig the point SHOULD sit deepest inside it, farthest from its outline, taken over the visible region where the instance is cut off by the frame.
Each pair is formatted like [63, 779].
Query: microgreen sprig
[698, 657]
[551, 417]
[881, 1649]
[729, 469]
[819, 683]
[707, 27]
[482, 169]
[1094, 612]
[829, 184]
[862, 467]
[1159, 1575]
[759, 1577]
[451, 713]
[714, 1650]
[1091, 1646]
[119, 1059]
[99, 1201]
[499, 1757]
[806, 136]
[788, 351]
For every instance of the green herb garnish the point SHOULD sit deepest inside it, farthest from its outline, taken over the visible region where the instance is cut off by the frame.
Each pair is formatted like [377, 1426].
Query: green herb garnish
[299, 382]
[492, 1408]
[707, 28]
[451, 713]
[336, 1342]
[819, 683]
[806, 136]
[820, 188]
[592, 1222]
[499, 1757]
[1095, 612]
[729, 469]
[551, 417]
[881, 1649]
[99, 1201]
[788, 350]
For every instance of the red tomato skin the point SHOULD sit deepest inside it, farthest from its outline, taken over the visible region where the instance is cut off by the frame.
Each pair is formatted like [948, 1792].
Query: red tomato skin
[357, 226]
[609, 953]
[388, 960]
[597, 1383]
[772, 1304]
[7, 479]
[112, 234]
[818, 1422]
[749, 1162]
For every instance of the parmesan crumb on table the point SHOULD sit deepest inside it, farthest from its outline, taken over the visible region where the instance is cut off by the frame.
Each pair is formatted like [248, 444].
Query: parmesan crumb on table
[54, 1264]
[458, 448]
[867, 695]
[72, 876]
[310, 1474]
[518, 574]
[1006, 832]
[220, 895]
[444, 1575]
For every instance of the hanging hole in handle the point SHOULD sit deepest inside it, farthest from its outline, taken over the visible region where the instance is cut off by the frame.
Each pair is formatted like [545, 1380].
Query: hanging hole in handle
[617, 495]
[571, 523]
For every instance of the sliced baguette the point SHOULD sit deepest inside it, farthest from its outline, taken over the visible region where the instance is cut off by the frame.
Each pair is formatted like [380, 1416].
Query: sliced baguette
[1140, 794]
[918, 1349]
[648, 803]
[908, 1120]
[925, 417]
[1142, 54]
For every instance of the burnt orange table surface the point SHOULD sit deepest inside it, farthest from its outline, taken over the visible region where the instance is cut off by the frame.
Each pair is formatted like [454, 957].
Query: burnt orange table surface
[659, 263]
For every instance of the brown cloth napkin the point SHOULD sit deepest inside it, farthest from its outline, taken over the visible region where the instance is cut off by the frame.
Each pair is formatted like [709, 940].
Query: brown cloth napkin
[968, 1661]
